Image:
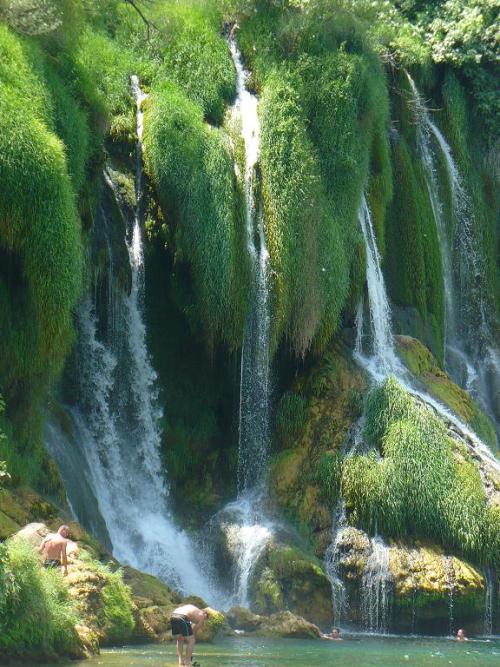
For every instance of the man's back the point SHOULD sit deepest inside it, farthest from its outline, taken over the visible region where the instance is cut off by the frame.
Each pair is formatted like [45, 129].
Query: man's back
[190, 611]
[54, 547]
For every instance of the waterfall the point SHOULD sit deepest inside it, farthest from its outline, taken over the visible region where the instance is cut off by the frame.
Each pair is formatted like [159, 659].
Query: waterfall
[489, 595]
[377, 588]
[114, 428]
[450, 585]
[380, 362]
[247, 529]
[383, 360]
[471, 357]
[339, 591]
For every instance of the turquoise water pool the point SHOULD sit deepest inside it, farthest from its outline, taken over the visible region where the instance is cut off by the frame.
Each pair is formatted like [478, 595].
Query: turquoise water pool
[359, 651]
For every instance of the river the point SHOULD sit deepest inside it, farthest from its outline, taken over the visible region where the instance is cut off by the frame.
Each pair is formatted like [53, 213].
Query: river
[358, 651]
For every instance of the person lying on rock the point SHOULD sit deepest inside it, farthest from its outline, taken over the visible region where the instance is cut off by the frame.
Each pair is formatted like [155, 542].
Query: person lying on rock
[53, 549]
[333, 636]
[185, 623]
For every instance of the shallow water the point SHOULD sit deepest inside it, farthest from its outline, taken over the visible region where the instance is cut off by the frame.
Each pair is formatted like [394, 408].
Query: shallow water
[358, 651]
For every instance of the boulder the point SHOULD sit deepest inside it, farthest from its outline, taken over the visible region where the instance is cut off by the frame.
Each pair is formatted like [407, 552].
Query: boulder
[286, 624]
[288, 578]
[422, 579]
[241, 618]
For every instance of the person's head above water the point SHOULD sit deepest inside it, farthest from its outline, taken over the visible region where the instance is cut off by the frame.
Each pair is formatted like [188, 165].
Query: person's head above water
[461, 635]
[335, 633]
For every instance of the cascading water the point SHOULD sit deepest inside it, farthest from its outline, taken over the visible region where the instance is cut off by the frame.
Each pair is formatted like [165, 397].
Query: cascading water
[377, 588]
[115, 426]
[489, 586]
[383, 360]
[246, 527]
[339, 591]
[450, 584]
[471, 356]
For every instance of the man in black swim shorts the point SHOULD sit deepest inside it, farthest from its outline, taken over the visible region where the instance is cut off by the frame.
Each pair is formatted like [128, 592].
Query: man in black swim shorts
[185, 622]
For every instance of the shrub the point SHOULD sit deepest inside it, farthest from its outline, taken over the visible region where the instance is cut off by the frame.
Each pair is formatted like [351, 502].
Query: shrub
[36, 615]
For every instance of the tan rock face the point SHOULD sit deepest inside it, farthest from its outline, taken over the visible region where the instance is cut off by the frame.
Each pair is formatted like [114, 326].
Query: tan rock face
[286, 624]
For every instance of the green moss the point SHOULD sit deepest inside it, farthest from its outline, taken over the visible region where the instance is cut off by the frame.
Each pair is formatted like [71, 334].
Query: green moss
[197, 58]
[414, 264]
[324, 120]
[116, 620]
[190, 165]
[419, 487]
[423, 365]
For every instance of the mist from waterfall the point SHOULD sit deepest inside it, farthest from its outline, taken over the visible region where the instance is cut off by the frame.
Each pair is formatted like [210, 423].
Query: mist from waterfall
[471, 356]
[114, 427]
[246, 527]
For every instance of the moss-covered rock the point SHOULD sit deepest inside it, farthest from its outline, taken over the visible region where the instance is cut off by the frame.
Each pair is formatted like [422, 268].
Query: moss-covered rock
[423, 582]
[426, 582]
[424, 366]
[330, 402]
[288, 578]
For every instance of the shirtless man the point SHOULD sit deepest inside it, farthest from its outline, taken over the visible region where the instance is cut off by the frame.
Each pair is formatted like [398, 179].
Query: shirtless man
[53, 549]
[185, 622]
[461, 636]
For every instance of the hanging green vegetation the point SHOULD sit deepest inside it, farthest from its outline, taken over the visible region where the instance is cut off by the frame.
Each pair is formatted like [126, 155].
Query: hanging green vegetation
[324, 116]
[192, 169]
[40, 246]
[195, 55]
[424, 485]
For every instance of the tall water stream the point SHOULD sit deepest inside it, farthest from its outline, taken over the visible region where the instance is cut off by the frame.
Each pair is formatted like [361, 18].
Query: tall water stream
[247, 528]
[114, 426]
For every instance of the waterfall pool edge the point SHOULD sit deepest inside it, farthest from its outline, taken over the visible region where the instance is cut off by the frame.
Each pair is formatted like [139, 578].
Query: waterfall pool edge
[359, 650]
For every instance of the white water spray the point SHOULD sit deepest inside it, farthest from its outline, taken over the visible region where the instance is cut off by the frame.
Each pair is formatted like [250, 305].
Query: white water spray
[332, 557]
[377, 588]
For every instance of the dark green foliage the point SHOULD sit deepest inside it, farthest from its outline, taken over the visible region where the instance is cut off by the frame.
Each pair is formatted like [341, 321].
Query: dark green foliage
[36, 615]
[196, 57]
[476, 163]
[413, 266]
[191, 167]
[291, 416]
[324, 116]
[328, 475]
[199, 441]
[422, 486]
